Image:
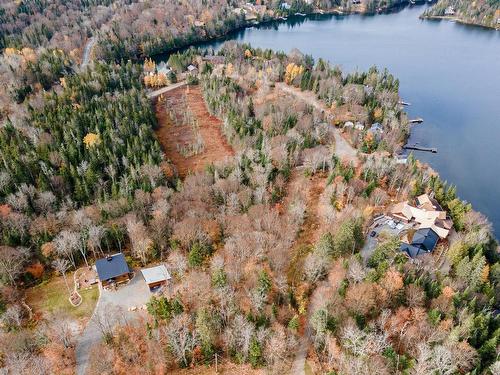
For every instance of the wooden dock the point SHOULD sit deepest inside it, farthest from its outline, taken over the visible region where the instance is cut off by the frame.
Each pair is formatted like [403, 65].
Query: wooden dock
[420, 148]
[417, 120]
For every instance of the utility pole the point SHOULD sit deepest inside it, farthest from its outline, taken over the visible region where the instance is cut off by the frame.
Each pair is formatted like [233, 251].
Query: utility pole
[216, 371]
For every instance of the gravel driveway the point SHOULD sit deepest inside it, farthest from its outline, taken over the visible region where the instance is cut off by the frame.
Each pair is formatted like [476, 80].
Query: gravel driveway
[135, 293]
[371, 243]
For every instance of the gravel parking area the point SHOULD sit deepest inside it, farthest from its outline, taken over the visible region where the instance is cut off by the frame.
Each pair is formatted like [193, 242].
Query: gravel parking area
[116, 304]
[382, 224]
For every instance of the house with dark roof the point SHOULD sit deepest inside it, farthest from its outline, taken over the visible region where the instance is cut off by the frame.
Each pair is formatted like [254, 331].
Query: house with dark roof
[112, 270]
[424, 241]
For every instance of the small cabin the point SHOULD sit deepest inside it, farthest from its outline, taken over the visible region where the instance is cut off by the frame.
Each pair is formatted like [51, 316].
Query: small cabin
[192, 69]
[156, 277]
[359, 126]
[450, 11]
[112, 270]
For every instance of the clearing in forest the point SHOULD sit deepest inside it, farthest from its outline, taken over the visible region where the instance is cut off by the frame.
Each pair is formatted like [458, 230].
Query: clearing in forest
[311, 229]
[191, 138]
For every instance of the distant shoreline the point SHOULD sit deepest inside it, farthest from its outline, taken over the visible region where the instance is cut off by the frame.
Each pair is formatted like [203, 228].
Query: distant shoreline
[459, 20]
[279, 19]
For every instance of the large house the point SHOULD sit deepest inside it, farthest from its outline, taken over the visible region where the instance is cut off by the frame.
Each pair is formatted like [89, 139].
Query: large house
[424, 241]
[112, 270]
[427, 214]
[431, 220]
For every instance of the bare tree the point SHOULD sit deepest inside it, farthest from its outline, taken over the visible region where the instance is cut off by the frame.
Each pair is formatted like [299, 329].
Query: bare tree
[96, 234]
[12, 260]
[13, 316]
[67, 243]
[141, 243]
[181, 338]
[62, 265]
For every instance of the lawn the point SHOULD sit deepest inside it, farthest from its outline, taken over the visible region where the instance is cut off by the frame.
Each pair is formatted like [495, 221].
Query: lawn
[52, 296]
[307, 369]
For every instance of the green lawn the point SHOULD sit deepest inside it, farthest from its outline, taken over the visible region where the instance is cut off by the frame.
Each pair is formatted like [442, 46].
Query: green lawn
[52, 296]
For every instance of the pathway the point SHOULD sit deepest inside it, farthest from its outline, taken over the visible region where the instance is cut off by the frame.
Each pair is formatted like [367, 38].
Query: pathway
[111, 303]
[156, 93]
[299, 363]
[86, 52]
[311, 230]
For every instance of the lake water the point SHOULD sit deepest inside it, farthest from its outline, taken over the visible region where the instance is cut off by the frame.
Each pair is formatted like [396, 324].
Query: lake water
[448, 71]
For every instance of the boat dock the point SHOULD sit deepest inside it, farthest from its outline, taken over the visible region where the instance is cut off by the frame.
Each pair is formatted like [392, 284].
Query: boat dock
[417, 120]
[420, 148]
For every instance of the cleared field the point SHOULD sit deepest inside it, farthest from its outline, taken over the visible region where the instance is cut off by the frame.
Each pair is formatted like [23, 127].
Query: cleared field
[51, 296]
[191, 138]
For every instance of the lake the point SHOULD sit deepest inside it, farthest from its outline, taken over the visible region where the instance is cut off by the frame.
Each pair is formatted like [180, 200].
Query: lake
[448, 71]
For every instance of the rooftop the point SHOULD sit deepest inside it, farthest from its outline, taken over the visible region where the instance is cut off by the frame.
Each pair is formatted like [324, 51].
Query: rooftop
[155, 274]
[112, 266]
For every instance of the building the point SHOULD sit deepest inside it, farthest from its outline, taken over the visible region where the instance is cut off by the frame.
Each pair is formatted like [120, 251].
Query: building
[450, 11]
[427, 214]
[376, 128]
[285, 6]
[156, 276]
[424, 241]
[349, 124]
[192, 69]
[112, 270]
[425, 202]
[401, 159]
[359, 126]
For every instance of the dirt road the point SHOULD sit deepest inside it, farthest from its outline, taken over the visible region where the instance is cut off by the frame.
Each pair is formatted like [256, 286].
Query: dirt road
[86, 52]
[163, 90]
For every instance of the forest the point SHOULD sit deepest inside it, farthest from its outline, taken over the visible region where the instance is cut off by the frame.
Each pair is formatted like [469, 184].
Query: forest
[484, 12]
[267, 247]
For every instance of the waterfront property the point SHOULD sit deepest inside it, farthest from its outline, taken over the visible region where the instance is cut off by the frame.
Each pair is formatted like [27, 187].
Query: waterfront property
[427, 213]
[423, 241]
[112, 270]
[450, 11]
[431, 221]
[429, 84]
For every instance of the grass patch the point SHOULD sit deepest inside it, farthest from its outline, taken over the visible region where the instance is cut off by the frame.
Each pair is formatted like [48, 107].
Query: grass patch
[307, 369]
[51, 296]
[295, 272]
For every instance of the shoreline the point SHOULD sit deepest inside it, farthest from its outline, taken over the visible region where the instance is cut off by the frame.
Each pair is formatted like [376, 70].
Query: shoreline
[278, 19]
[460, 21]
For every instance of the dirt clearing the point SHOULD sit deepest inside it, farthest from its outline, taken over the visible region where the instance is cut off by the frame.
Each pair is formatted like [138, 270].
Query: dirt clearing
[311, 230]
[191, 138]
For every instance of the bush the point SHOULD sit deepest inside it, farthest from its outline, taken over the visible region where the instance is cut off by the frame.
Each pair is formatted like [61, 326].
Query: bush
[255, 353]
[198, 253]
